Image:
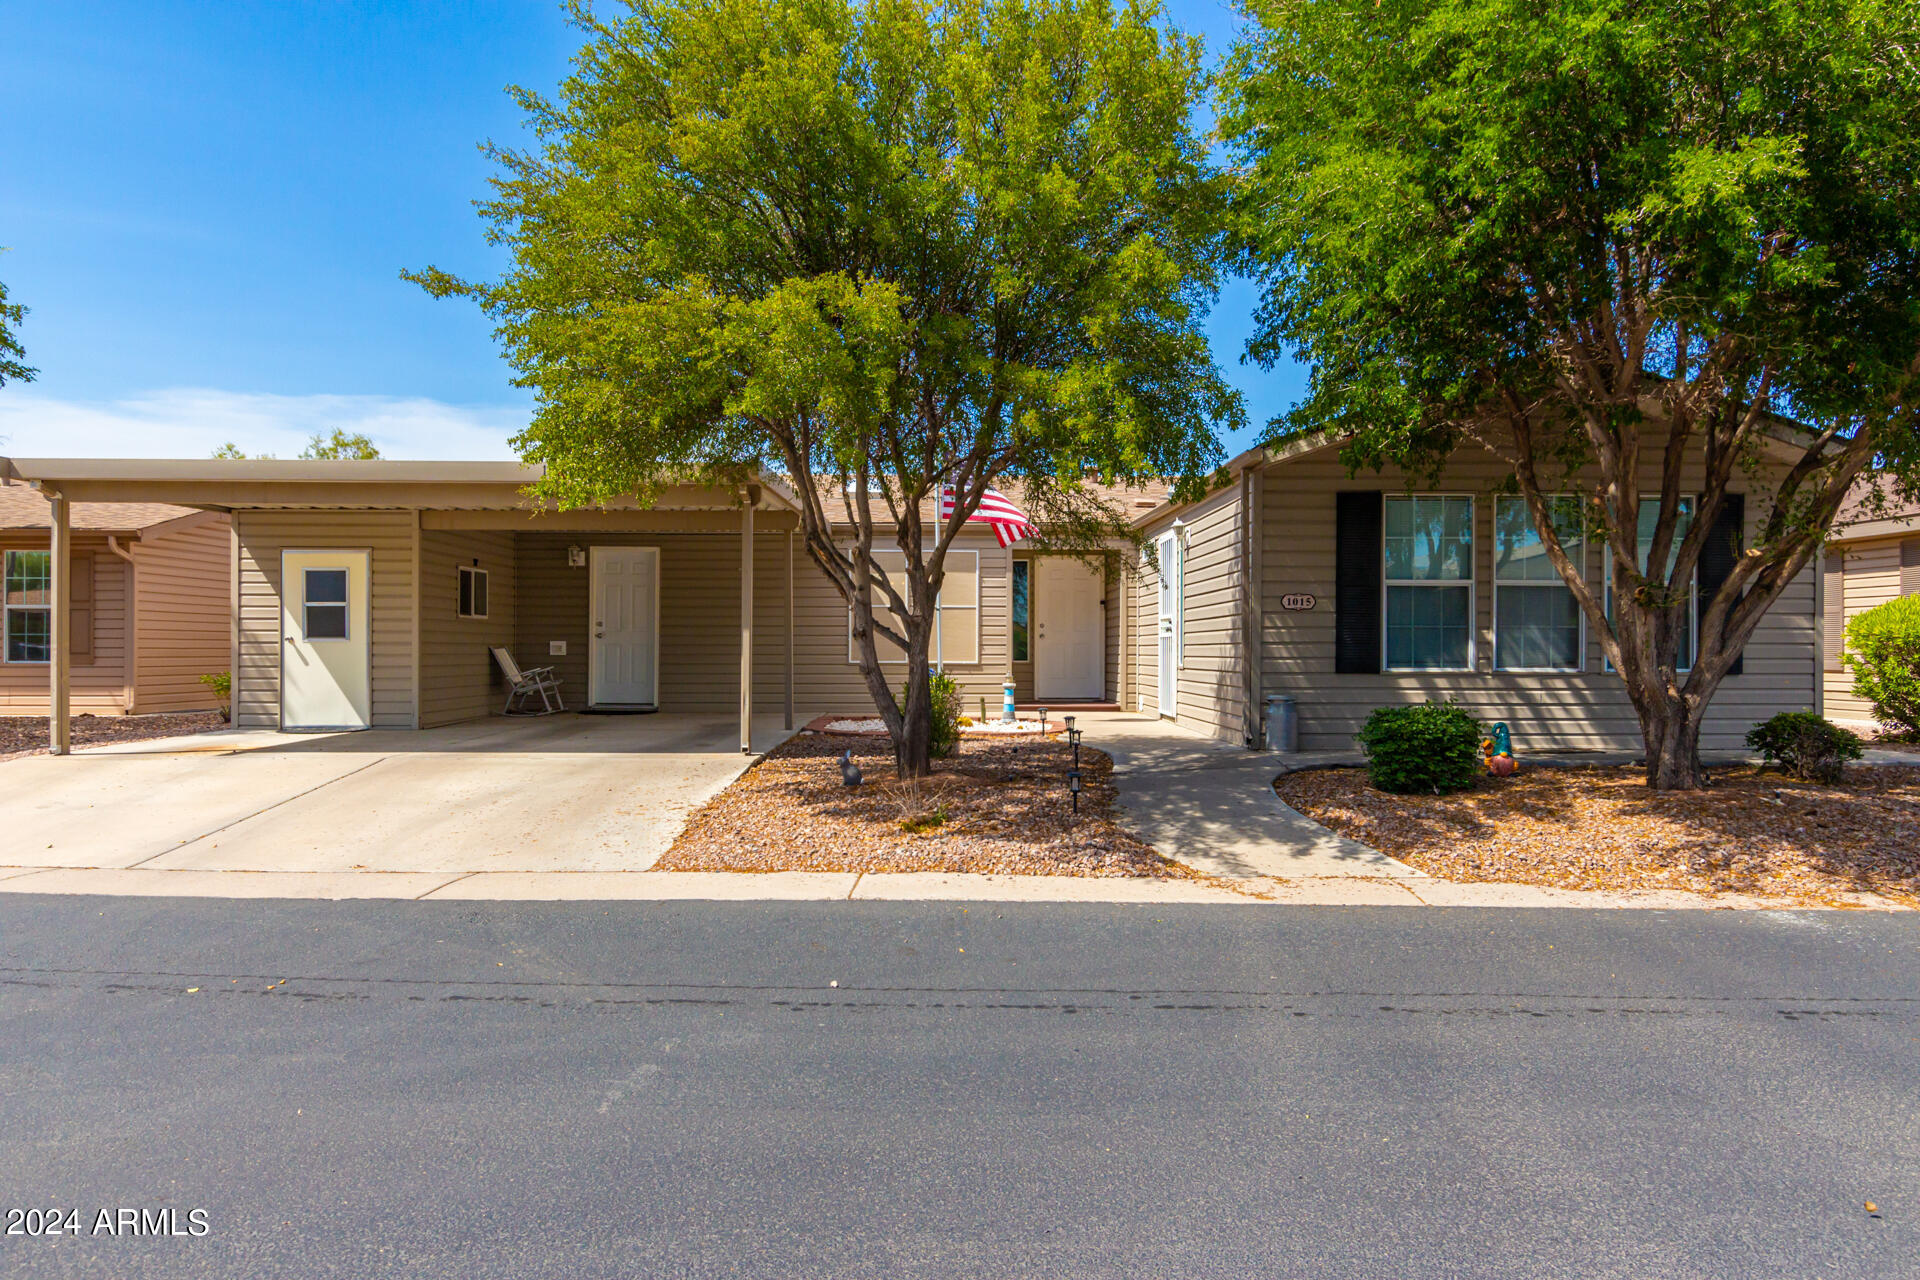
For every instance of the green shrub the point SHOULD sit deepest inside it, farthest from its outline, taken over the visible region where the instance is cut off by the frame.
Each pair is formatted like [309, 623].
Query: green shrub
[1805, 745]
[946, 714]
[1432, 748]
[1883, 652]
[221, 682]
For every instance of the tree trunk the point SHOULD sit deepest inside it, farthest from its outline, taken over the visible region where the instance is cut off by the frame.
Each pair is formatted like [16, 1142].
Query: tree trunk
[913, 749]
[1671, 730]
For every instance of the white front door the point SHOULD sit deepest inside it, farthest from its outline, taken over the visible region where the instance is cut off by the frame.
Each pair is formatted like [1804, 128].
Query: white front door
[1171, 569]
[623, 658]
[326, 665]
[1070, 631]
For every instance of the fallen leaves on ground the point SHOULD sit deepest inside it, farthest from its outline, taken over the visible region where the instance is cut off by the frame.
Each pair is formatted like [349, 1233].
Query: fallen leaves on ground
[1754, 831]
[27, 735]
[1006, 805]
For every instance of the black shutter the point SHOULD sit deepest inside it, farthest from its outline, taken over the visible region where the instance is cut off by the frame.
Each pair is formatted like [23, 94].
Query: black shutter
[1718, 554]
[1356, 582]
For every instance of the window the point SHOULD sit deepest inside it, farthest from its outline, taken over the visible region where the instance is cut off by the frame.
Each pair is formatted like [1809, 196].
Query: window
[29, 593]
[1650, 517]
[325, 606]
[1020, 588]
[1536, 620]
[473, 593]
[956, 632]
[1429, 583]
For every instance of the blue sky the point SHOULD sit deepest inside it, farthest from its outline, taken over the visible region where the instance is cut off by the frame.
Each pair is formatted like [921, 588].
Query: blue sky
[207, 206]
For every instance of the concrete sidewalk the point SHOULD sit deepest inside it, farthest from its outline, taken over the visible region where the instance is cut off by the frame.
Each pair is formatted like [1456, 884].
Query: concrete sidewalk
[1212, 806]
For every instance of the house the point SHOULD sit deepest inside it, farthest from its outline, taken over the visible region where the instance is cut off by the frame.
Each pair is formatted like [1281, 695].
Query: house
[1872, 557]
[1351, 592]
[370, 593]
[148, 605]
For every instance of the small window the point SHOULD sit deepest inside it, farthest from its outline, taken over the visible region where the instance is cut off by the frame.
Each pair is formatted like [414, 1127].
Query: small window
[1020, 580]
[1429, 583]
[473, 592]
[29, 620]
[325, 604]
[1536, 620]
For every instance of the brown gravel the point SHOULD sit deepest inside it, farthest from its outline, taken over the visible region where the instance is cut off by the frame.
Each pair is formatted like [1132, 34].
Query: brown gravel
[1754, 832]
[1007, 809]
[27, 735]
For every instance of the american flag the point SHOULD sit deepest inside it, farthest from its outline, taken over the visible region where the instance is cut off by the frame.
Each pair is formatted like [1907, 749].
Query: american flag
[1010, 523]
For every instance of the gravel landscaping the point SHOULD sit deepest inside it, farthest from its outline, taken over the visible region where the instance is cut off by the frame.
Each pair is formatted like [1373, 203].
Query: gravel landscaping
[993, 807]
[1754, 832]
[27, 735]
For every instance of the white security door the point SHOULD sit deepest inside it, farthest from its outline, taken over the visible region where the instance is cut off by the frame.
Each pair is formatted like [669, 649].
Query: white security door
[326, 666]
[1171, 570]
[1070, 631]
[623, 658]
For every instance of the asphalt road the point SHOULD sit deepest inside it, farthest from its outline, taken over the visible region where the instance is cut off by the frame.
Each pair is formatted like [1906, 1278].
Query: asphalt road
[679, 1089]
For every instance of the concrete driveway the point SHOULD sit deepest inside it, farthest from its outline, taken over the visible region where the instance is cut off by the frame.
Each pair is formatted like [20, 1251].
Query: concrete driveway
[563, 793]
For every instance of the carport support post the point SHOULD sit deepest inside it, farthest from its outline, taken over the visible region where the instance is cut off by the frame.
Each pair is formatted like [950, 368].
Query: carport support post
[59, 630]
[789, 721]
[752, 495]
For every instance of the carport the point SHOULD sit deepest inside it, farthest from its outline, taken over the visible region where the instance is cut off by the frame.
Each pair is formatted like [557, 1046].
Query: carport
[365, 574]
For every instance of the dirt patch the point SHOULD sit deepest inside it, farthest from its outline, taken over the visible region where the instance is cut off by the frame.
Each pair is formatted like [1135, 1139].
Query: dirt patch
[27, 735]
[994, 807]
[1753, 832]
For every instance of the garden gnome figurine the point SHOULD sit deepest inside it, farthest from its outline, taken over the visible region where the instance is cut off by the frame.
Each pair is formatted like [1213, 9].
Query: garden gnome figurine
[849, 771]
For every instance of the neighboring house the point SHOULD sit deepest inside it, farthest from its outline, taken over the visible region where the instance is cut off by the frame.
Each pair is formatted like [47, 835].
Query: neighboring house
[1872, 557]
[370, 593]
[149, 605]
[1351, 592]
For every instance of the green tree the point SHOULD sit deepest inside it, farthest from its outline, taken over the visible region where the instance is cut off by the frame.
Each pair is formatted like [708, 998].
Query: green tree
[12, 354]
[1618, 242]
[881, 246]
[340, 444]
[230, 450]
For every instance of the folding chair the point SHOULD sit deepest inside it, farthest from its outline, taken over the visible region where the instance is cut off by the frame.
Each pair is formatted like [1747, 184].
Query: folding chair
[523, 685]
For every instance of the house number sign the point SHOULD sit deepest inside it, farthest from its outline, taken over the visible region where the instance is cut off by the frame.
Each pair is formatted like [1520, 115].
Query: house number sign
[1297, 601]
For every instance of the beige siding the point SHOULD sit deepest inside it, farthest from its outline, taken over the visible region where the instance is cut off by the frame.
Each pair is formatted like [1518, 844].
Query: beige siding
[263, 535]
[1211, 687]
[700, 621]
[100, 685]
[459, 679]
[1585, 709]
[182, 616]
[1869, 576]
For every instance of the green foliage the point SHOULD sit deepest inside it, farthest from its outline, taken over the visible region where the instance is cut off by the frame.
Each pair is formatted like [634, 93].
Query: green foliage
[221, 682]
[887, 243]
[1883, 652]
[920, 823]
[947, 710]
[1427, 748]
[1805, 745]
[12, 362]
[340, 444]
[1602, 239]
[233, 451]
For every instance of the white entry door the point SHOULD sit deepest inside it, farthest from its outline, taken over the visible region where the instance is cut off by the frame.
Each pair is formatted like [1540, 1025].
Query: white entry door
[1070, 631]
[623, 653]
[1171, 570]
[326, 665]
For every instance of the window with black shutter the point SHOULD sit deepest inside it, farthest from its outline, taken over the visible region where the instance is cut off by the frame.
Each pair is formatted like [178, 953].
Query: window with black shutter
[1356, 582]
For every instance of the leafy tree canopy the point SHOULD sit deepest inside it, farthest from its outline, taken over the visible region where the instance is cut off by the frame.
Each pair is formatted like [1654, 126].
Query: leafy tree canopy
[1588, 232]
[12, 355]
[897, 244]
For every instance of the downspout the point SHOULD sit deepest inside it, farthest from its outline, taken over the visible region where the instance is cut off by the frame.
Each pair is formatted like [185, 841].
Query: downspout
[1250, 607]
[131, 666]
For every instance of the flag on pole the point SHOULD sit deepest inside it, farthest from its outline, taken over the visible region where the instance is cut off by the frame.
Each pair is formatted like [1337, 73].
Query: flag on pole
[1010, 523]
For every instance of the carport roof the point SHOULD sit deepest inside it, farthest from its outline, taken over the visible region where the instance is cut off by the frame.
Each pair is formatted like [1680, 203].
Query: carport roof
[226, 483]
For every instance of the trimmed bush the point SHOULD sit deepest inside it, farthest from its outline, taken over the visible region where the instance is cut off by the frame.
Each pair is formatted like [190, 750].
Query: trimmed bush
[1805, 745]
[946, 714]
[1883, 652]
[1431, 748]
